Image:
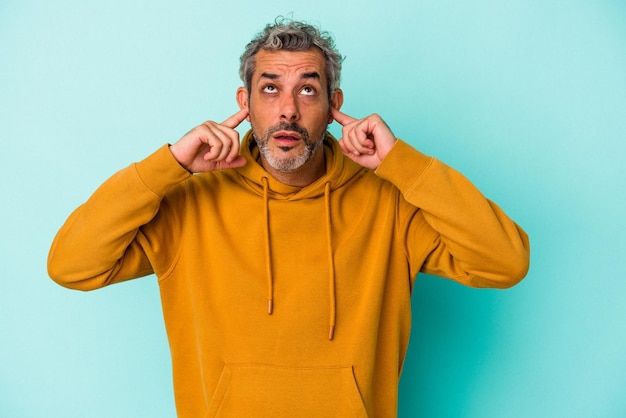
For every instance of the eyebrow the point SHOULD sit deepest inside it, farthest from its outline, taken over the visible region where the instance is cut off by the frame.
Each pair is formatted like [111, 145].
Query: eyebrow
[312, 74]
[270, 76]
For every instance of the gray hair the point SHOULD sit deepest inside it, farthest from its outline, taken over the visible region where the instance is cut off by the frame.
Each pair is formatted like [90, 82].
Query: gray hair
[289, 35]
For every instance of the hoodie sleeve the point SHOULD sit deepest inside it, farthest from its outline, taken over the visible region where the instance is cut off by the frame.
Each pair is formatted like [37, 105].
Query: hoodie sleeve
[101, 242]
[473, 242]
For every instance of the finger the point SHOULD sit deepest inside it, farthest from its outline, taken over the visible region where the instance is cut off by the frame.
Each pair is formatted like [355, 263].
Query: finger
[354, 156]
[221, 142]
[230, 142]
[360, 137]
[226, 145]
[344, 148]
[212, 139]
[356, 139]
[240, 161]
[344, 142]
[236, 119]
[230, 139]
[233, 153]
[341, 118]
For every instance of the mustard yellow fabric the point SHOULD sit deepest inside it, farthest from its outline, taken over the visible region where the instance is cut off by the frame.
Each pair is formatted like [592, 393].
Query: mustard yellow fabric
[343, 252]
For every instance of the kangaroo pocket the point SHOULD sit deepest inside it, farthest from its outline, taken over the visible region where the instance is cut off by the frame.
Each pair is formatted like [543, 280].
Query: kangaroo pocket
[270, 391]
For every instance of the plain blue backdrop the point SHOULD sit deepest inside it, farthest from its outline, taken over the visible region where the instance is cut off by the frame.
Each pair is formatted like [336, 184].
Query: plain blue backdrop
[526, 97]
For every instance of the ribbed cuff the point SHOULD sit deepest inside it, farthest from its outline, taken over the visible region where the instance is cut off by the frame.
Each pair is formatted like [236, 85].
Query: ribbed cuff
[403, 166]
[160, 171]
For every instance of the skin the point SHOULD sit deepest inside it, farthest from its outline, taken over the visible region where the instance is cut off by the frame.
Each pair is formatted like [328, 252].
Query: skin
[288, 87]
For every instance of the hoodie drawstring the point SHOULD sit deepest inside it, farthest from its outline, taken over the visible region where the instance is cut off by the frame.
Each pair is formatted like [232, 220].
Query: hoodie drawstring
[268, 251]
[331, 264]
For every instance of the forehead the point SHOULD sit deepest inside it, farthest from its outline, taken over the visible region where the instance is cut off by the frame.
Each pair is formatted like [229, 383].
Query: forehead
[285, 63]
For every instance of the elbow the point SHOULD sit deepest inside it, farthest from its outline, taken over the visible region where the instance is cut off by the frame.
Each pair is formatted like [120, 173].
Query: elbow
[56, 272]
[514, 270]
[65, 274]
[519, 261]
[73, 274]
[515, 274]
[70, 281]
[523, 267]
[62, 276]
[60, 267]
[515, 263]
[513, 258]
[505, 272]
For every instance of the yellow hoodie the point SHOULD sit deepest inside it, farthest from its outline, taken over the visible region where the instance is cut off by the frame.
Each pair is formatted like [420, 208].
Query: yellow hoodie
[285, 301]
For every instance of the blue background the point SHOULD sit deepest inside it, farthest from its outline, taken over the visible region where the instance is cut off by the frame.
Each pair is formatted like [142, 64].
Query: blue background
[526, 97]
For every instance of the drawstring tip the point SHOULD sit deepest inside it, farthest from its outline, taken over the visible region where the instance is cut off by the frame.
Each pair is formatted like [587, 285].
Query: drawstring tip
[270, 306]
[331, 333]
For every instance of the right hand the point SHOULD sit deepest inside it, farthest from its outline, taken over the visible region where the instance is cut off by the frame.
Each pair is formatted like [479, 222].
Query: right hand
[211, 146]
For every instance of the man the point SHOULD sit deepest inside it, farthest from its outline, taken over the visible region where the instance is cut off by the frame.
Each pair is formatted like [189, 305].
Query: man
[286, 263]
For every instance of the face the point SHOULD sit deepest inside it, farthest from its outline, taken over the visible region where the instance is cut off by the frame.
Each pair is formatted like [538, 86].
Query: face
[289, 107]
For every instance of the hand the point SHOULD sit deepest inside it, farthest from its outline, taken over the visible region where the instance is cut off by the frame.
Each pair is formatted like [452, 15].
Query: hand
[211, 146]
[365, 141]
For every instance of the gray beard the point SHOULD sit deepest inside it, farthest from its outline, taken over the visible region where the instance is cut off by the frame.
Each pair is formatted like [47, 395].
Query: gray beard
[286, 165]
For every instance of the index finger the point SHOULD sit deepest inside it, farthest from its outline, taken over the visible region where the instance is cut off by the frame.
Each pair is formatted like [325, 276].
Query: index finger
[342, 118]
[234, 121]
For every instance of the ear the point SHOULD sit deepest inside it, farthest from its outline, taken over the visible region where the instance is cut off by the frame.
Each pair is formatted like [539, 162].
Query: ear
[336, 101]
[243, 100]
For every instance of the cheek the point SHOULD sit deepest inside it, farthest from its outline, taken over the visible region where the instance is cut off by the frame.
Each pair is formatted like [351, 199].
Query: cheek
[318, 114]
[255, 119]
[322, 120]
[260, 115]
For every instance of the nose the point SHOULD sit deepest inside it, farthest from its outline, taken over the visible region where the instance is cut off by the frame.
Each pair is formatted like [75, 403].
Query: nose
[289, 110]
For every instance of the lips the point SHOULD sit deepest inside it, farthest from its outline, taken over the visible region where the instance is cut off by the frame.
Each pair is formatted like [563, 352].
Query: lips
[286, 138]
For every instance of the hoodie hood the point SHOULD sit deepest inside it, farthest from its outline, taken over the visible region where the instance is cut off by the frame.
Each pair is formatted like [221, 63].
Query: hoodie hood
[339, 171]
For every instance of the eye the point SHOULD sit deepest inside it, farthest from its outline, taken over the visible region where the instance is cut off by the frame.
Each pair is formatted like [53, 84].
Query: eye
[308, 91]
[270, 89]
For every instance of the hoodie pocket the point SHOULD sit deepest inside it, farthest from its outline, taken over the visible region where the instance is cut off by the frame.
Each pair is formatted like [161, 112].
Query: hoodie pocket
[252, 390]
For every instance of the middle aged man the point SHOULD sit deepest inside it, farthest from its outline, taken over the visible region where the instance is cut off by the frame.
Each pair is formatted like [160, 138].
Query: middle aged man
[286, 264]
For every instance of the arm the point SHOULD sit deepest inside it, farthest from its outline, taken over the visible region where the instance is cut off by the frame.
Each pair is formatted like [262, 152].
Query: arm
[102, 241]
[474, 242]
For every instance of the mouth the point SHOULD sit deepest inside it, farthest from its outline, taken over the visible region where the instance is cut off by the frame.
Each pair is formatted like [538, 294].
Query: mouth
[286, 139]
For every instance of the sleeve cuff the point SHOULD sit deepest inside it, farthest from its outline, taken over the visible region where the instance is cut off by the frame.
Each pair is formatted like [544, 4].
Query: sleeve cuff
[160, 171]
[403, 166]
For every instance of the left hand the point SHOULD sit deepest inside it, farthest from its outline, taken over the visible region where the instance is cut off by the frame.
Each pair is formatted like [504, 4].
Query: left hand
[365, 141]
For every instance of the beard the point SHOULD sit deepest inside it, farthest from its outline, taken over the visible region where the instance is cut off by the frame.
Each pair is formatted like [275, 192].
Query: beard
[284, 163]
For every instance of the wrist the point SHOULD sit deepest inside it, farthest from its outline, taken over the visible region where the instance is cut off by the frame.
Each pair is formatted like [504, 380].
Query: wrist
[173, 151]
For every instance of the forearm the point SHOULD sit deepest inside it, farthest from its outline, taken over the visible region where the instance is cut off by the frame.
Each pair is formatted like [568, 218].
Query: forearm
[101, 242]
[477, 244]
